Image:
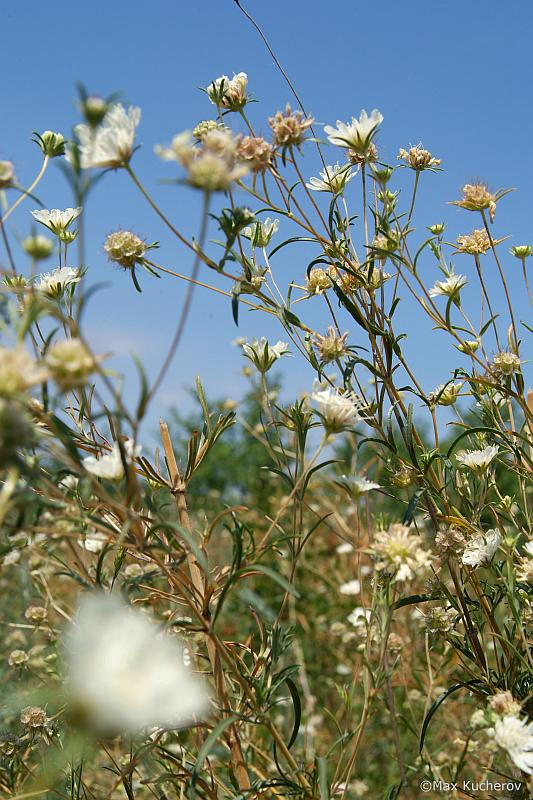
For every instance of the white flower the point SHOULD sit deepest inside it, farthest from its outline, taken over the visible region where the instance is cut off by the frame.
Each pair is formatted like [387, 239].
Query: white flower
[337, 411]
[344, 548]
[516, 737]
[356, 135]
[261, 233]
[111, 144]
[477, 460]
[350, 587]
[55, 282]
[449, 287]
[481, 548]
[358, 485]
[124, 673]
[228, 93]
[528, 547]
[55, 220]
[359, 617]
[93, 542]
[110, 465]
[332, 179]
[262, 354]
[181, 149]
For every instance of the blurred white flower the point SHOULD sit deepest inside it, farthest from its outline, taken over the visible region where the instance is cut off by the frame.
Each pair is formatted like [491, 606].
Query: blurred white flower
[124, 673]
[449, 287]
[111, 144]
[344, 548]
[481, 548]
[477, 460]
[332, 179]
[110, 465]
[337, 411]
[55, 282]
[358, 485]
[359, 617]
[516, 737]
[93, 542]
[55, 220]
[528, 547]
[356, 135]
[350, 587]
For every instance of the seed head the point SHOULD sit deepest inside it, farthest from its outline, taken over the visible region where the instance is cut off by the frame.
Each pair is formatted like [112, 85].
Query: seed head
[256, 152]
[125, 248]
[318, 281]
[331, 346]
[506, 363]
[289, 127]
[477, 197]
[418, 159]
[475, 243]
[36, 614]
[33, 717]
[18, 658]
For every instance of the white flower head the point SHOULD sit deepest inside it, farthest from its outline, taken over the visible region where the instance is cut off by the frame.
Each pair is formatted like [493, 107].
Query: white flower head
[477, 460]
[124, 673]
[350, 587]
[260, 233]
[516, 737]
[55, 282]
[110, 466]
[449, 287]
[356, 135]
[338, 411]
[55, 220]
[481, 548]
[344, 548]
[332, 179]
[229, 93]
[528, 547]
[262, 354]
[111, 144]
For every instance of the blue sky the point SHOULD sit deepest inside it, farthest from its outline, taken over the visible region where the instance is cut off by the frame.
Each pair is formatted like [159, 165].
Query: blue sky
[453, 75]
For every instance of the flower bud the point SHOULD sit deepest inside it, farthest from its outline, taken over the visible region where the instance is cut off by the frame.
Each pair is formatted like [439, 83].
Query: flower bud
[52, 144]
[437, 229]
[94, 109]
[521, 251]
[7, 174]
[38, 247]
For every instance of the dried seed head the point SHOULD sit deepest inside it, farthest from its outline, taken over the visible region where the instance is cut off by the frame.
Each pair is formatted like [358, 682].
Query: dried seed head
[33, 717]
[256, 152]
[36, 614]
[477, 197]
[475, 243]
[125, 248]
[418, 159]
[18, 658]
[289, 127]
[503, 703]
[331, 346]
[369, 156]
[318, 281]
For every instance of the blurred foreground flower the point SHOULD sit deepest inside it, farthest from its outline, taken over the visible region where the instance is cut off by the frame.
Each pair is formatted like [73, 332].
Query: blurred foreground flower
[124, 673]
[110, 465]
[111, 144]
[516, 736]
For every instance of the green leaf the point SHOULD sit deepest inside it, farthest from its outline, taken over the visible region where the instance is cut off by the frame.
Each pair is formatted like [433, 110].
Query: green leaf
[297, 706]
[438, 702]
[206, 749]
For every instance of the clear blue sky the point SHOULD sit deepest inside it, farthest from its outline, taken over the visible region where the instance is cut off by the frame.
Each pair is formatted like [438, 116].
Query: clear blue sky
[455, 75]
